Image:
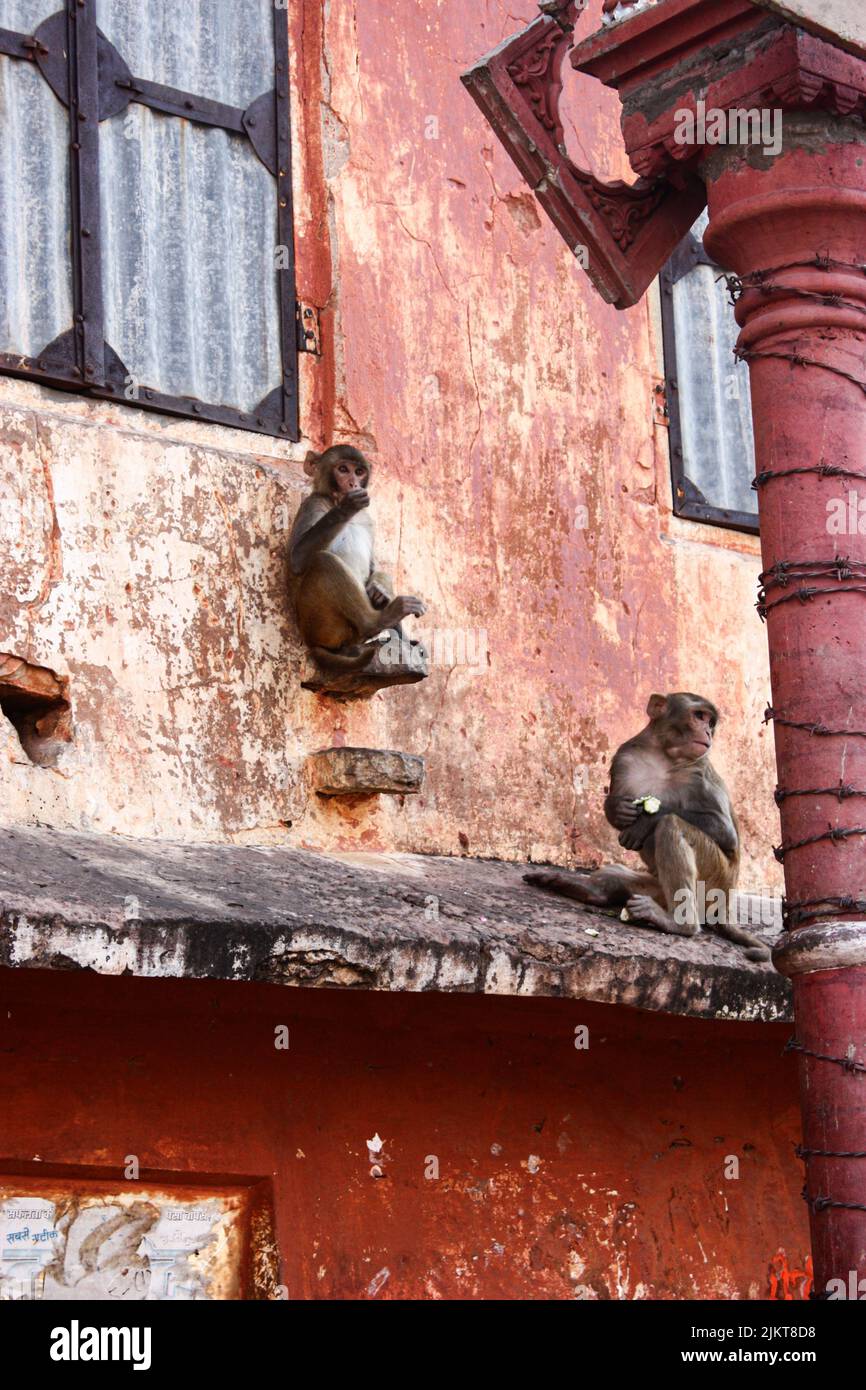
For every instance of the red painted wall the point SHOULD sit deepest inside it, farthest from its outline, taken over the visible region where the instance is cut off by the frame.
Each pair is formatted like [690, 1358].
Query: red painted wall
[628, 1139]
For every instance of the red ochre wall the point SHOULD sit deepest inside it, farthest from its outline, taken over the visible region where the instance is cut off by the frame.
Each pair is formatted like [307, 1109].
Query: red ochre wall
[628, 1139]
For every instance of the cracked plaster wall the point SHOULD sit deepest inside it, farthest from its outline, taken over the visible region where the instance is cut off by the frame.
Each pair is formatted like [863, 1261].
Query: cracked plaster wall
[521, 488]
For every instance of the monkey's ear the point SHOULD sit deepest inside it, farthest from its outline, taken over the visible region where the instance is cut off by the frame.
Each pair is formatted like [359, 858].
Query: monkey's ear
[656, 706]
[310, 463]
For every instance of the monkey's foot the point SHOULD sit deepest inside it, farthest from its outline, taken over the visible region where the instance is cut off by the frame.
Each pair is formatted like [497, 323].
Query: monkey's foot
[758, 953]
[651, 914]
[541, 880]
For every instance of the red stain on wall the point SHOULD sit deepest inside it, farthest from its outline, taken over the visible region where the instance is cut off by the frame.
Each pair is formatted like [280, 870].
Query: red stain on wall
[786, 1284]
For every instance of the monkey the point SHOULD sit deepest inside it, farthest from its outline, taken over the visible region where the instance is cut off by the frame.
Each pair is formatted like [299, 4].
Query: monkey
[671, 806]
[342, 601]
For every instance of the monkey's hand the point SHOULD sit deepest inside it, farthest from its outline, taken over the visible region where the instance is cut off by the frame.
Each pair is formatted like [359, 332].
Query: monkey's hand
[635, 836]
[378, 596]
[354, 501]
[623, 813]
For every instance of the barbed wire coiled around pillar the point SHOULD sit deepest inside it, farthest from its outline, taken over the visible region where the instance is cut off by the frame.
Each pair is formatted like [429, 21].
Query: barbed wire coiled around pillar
[839, 567]
[805, 594]
[780, 576]
[823, 470]
[842, 792]
[798, 360]
[762, 280]
[828, 1153]
[837, 834]
[849, 1064]
[738, 284]
[817, 729]
[816, 1204]
[787, 572]
[796, 911]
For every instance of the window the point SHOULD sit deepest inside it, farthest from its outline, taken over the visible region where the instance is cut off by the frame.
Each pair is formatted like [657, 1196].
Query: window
[147, 256]
[709, 406]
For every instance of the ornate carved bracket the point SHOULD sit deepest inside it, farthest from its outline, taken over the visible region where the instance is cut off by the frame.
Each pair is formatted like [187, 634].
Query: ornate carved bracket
[621, 234]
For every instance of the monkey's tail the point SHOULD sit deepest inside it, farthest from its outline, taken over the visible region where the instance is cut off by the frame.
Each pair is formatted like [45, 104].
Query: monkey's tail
[350, 659]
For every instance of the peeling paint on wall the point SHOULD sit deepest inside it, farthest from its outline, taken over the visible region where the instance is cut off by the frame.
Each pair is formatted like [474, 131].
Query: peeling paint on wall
[522, 488]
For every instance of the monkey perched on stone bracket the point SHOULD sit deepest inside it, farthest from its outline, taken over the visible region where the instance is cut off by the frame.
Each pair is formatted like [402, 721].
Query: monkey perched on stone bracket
[342, 601]
[672, 807]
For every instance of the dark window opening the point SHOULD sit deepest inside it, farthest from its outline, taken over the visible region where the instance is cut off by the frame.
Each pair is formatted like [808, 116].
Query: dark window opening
[707, 389]
[146, 237]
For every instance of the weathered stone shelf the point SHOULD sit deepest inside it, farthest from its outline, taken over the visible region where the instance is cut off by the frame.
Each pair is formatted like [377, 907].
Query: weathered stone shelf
[365, 772]
[394, 663]
[363, 921]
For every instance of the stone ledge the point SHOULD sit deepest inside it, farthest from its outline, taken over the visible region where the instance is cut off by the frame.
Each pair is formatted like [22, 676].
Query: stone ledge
[397, 661]
[381, 922]
[365, 772]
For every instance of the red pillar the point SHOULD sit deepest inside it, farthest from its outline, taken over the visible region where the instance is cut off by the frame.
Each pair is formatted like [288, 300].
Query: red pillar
[794, 230]
[791, 223]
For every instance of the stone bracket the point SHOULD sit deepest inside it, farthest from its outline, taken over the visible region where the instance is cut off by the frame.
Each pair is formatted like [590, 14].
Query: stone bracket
[396, 661]
[365, 772]
[621, 234]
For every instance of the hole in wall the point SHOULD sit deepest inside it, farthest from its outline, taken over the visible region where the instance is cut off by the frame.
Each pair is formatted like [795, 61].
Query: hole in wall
[35, 700]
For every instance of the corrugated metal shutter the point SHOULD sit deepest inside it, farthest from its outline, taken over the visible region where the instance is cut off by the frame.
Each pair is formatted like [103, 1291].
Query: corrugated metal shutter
[35, 255]
[188, 217]
[715, 403]
[189, 214]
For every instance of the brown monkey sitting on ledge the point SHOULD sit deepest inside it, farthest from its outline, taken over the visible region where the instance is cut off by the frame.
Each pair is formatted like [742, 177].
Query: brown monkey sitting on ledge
[668, 803]
[341, 600]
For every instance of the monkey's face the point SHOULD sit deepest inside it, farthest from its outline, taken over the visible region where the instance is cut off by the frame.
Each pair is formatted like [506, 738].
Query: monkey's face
[688, 728]
[348, 476]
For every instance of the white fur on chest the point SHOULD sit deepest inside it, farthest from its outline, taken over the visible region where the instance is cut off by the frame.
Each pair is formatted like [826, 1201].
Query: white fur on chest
[354, 545]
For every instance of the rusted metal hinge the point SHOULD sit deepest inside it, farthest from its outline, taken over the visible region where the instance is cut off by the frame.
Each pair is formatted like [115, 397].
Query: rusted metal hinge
[660, 403]
[309, 336]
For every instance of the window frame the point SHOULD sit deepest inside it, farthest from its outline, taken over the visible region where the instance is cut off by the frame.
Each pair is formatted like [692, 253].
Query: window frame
[88, 74]
[688, 501]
